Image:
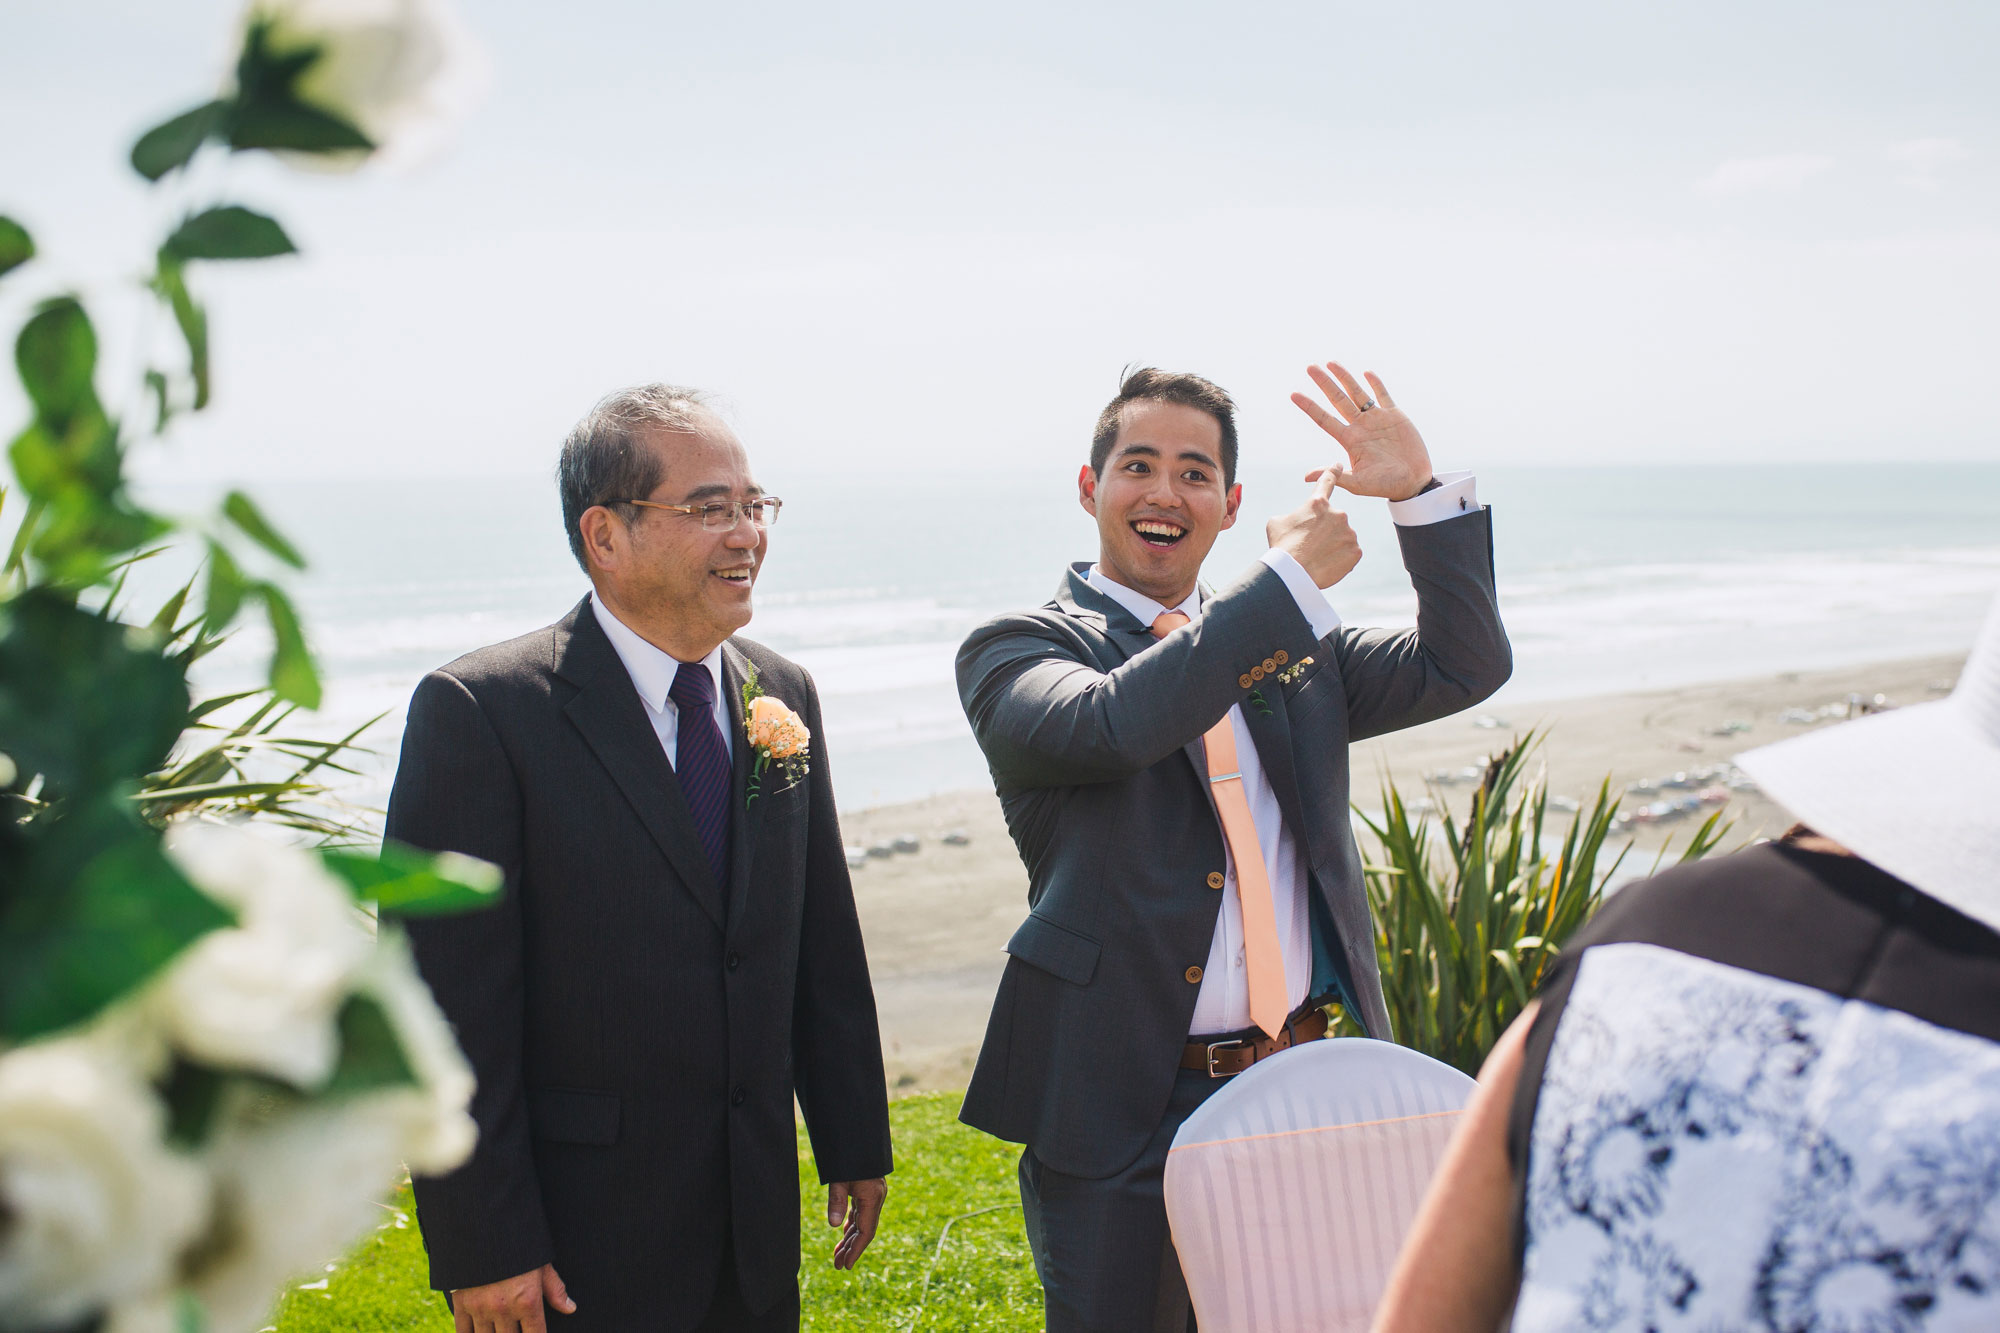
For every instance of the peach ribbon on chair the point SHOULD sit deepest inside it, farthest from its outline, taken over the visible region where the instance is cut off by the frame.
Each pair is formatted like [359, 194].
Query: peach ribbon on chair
[1263, 960]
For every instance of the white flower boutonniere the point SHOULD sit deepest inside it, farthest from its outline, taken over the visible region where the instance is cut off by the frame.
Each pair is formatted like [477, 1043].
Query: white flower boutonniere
[778, 737]
[1294, 671]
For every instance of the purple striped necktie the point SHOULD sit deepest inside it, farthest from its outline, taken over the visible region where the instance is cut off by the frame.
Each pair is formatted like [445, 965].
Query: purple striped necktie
[702, 764]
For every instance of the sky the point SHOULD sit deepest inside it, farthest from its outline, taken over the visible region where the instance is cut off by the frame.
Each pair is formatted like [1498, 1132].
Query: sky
[917, 240]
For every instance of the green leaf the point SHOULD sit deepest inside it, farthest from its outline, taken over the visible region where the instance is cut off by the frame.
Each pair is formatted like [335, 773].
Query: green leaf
[269, 112]
[229, 232]
[16, 246]
[97, 909]
[371, 1055]
[171, 284]
[85, 702]
[243, 512]
[170, 144]
[226, 586]
[163, 408]
[406, 882]
[295, 126]
[293, 677]
[57, 357]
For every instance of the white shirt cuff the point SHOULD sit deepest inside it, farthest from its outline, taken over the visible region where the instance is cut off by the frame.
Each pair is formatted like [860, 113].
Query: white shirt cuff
[1457, 493]
[1319, 612]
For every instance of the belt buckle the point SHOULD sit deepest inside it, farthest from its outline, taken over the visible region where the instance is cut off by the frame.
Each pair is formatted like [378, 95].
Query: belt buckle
[1215, 1046]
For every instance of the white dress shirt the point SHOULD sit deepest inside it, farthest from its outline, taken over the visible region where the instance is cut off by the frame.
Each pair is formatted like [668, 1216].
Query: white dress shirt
[1223, 1002]
[653, 673]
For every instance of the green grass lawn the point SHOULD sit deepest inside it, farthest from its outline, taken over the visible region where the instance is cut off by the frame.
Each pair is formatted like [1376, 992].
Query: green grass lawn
[978, 1276]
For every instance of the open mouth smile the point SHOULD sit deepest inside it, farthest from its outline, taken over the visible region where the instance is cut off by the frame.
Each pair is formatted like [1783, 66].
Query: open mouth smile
[1159, 533]
[739, 575]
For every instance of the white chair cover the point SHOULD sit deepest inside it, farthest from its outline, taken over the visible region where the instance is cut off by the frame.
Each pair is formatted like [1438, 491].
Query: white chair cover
[1290, 1191]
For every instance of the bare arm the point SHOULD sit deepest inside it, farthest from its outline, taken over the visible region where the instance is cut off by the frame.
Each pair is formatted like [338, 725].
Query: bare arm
[1456, 1273]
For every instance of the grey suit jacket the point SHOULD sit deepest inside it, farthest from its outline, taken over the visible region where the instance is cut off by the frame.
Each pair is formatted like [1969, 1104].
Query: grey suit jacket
[638, 1029]
[1092, 731]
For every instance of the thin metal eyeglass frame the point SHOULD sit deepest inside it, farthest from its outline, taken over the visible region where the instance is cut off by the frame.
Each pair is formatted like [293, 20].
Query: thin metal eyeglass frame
[738, 511]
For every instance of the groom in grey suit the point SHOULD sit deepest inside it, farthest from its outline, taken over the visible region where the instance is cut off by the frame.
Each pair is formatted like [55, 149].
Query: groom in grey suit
[1156, 961]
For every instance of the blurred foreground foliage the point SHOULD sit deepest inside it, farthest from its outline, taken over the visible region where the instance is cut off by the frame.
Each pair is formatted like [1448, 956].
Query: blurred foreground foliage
[101, 741]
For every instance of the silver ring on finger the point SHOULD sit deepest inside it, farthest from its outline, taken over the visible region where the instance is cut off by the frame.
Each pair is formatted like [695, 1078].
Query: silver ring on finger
[1367, 403]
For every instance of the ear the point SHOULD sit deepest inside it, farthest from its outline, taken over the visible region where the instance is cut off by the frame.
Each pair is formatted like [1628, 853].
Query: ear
[1086, 490]
[603, 538]
[1232, 500]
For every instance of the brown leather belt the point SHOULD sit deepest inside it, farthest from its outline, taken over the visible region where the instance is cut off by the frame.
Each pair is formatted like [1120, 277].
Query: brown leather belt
[1233, 1055]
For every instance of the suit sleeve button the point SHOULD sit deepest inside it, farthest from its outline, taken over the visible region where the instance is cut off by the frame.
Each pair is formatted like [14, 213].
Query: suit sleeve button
[1270, 665]
[1256, 673]
[1281, 657]
[738, 1097]
[1215, 879]
[1245, 681]
[1193, 975]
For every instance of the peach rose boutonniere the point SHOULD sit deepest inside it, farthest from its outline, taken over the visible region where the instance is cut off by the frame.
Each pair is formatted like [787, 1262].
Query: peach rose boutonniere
[778, 736]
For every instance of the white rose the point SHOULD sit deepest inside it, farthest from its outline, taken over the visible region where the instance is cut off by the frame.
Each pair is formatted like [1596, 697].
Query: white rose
[403, 72]
[96, 1207]
[438, 1131]
[265, 994]
[295, 1186]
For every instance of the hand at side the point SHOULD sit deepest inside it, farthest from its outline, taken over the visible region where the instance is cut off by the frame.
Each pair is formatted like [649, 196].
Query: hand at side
[856, 1206]
[512, 1305]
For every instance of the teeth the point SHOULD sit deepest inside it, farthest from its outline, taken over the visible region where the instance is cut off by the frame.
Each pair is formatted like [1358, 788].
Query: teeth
[1148, 528]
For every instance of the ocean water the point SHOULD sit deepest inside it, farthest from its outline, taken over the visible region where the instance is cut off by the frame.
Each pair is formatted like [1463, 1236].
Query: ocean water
[1611, 579]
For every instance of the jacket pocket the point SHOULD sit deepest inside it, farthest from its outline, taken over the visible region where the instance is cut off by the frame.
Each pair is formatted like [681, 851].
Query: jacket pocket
[564, 1115]
[1055, 949]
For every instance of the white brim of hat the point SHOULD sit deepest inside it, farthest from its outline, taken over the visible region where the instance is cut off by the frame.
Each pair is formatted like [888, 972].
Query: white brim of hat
[1915, 792]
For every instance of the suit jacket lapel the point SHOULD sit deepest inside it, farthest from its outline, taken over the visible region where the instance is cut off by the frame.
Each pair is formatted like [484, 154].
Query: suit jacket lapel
[747, 816]
[608, 712]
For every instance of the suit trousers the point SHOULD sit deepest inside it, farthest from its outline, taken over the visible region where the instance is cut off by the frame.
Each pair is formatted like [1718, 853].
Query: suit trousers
[1101, 1247]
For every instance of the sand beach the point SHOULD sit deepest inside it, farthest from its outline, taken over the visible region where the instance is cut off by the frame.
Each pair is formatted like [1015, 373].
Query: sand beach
[937, 919]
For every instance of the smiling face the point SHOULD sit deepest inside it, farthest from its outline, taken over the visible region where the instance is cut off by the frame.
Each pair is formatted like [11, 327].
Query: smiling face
[1161, 502]
[683, 587]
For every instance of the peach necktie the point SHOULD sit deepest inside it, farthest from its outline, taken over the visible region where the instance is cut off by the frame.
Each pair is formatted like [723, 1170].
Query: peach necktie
[1263, 960]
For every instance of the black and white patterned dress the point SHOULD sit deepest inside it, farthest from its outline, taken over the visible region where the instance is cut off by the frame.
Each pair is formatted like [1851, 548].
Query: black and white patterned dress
[1764, 1094]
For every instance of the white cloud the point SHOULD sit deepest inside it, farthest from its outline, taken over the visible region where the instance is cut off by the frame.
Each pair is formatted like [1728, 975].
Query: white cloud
[1777, 171]
[1923, 159]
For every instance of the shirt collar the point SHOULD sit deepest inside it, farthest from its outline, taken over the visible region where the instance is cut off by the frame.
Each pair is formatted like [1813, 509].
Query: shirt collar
[1141, 606]
[652, 671]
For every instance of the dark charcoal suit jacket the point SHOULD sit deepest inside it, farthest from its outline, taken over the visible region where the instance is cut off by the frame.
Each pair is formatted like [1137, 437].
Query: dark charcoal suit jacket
[637, 1029]
[1093, 729]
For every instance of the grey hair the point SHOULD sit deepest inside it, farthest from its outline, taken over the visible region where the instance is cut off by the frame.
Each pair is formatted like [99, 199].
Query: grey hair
[605, 457]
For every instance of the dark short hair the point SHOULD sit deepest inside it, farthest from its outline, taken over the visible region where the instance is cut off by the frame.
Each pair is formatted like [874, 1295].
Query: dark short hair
[1166, 386]
[606, 456]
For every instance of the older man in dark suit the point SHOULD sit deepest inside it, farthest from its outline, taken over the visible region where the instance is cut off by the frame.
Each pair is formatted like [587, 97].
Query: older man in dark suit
[677, 953]
[1172, 761]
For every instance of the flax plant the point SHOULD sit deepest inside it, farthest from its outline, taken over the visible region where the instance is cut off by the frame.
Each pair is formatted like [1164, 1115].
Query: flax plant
[1470, 917]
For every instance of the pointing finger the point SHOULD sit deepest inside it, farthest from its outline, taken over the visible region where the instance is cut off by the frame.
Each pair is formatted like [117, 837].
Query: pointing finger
[1328, 479]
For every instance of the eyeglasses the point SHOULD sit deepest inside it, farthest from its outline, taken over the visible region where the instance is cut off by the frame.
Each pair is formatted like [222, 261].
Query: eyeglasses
[717, 516]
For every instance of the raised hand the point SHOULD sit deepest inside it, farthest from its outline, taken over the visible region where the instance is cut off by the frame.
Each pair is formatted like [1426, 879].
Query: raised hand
[1317, 535]
[1385, 455]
